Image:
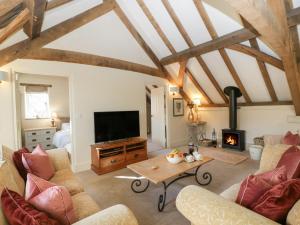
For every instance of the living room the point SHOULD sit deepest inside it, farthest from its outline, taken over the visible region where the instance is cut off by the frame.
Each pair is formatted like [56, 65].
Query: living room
[108, 52]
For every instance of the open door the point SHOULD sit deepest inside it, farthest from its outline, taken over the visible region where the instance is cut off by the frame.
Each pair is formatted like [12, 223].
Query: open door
[158, 113]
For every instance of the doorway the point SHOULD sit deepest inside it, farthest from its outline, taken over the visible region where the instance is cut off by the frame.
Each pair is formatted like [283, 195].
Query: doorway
[156, 117]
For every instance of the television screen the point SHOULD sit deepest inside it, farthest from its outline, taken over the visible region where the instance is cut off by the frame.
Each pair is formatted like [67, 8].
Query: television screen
[111, 126]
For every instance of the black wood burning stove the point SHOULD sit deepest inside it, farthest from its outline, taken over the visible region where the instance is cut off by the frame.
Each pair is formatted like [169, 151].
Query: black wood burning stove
[233, 138]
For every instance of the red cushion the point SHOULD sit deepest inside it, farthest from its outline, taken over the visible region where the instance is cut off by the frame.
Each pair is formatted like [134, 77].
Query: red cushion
[38, 163]
[256, 185]
[19, 212]
[277, 202]
[291, 139]
[17, 158]
[35, 186]
[291, 160]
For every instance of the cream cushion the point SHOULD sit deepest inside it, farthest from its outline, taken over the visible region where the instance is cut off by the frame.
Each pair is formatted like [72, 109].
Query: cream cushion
[84, 205]
[232, 192]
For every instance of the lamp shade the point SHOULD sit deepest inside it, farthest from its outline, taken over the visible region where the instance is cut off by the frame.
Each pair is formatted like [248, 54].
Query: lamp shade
[54, 115]
[197, 101]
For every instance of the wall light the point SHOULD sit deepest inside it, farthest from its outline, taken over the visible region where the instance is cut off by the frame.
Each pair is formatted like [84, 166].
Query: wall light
[174, 90]
[197, 101]
[3, 76]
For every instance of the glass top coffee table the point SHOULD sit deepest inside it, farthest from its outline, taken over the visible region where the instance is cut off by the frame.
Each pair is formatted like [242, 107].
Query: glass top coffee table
[159, 170]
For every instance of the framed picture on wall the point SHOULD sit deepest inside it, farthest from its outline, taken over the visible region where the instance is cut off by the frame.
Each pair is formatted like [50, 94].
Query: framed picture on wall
[178, 107]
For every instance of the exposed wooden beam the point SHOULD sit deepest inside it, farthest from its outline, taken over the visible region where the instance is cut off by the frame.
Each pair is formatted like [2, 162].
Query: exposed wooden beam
[8, 5]
[9, 16]
[258, 54]
[56, 3]
[198, 86]
[208, 24]
[216, 44]
[261, 65]
[148, 90]
[269, 22]
[146, 48]
[15, 25]
[156, 26]
[294, 17]
[89, 59]
[37, 9]
[250, 104]
[181, 73]
[22, 48]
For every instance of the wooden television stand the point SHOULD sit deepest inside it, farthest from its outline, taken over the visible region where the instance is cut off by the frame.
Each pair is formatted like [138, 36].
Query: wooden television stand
[111, 156]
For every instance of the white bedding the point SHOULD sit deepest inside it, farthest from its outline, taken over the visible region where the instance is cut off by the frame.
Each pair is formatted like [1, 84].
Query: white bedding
[62, 138]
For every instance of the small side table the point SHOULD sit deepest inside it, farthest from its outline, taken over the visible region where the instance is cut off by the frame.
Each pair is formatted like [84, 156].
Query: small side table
[196, 129]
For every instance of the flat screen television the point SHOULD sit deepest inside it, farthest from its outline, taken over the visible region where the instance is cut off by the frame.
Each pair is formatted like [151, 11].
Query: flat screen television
[110, 126]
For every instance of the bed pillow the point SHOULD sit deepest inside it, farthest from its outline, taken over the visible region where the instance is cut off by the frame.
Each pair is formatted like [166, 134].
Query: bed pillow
[35, 186]
[17, 158]
[291, 139]
[38, 163]
[291, 160]
[17, 211]
[57, 202]
[277, 202]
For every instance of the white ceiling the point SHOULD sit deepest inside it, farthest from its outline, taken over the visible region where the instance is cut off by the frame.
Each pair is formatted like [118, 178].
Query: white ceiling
[107, 36]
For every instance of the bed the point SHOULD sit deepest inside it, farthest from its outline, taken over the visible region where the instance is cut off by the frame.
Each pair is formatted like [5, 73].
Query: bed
[62, 138]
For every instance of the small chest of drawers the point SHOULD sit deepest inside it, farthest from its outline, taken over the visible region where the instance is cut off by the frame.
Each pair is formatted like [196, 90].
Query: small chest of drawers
[42, 136]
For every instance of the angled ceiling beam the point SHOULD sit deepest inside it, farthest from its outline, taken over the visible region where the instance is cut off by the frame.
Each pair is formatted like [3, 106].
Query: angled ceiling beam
[294, 17]
[216, 44]
[258, 54]
[8, 5]
[21, 49]
[14, 25]
[146, 48]
[262, 66]
[198, 86]
[270, 20]
[37, 9]
[211, 30]
[190, 43]
[250, 104]
[56, 3]
[10, 15]
[89, 59]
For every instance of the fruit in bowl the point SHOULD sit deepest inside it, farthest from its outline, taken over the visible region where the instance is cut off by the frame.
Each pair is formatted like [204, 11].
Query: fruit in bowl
[175, 156]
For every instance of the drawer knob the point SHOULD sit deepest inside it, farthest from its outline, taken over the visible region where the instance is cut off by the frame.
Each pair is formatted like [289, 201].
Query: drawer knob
[34, 140]
[113, 161]
[48, 138]
[48, 132]
[33, 133]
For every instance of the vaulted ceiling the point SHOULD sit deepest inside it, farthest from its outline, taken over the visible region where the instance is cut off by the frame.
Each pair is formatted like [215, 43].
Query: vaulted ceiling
[201, 46]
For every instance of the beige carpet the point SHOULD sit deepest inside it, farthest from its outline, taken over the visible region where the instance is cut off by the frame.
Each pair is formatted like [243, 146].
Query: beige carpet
[108, 190]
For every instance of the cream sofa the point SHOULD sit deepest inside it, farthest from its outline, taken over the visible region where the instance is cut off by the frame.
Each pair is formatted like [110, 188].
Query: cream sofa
[202, 207]
[87, 210]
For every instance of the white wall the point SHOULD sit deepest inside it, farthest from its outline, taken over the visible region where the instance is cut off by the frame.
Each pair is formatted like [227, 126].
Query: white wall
[256, 120]
[58, 98]
[91, 89]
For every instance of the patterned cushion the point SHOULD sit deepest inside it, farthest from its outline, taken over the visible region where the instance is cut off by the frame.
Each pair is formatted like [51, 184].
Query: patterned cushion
[291, 139]
[291, 160]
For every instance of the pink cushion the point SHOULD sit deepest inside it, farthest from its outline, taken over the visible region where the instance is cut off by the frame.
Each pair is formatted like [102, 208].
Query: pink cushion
[57, 202]
[17, 158]
[256, 185]
[277, 202]
[291, 160]
[291, 139]
[17, 211]
[35, 186]
[38, 163]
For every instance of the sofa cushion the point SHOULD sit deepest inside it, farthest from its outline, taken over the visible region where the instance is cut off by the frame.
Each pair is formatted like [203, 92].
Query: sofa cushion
[17, 158]
[277, 202]
[84, 205]
[275, 176]
[35, 186]
[271, 156]
[66, 178]
[38, 163]
[251, 189]
[291, 160]
[291, 139]
[19, 212]
[57, 202]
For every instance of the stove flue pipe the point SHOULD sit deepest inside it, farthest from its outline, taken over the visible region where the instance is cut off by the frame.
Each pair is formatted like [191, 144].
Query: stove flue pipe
[233, 93]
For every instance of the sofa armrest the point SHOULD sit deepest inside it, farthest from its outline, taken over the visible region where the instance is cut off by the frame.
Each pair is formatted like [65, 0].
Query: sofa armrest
[202, 207]
[115, 215]
[59, 158]
[293, 217]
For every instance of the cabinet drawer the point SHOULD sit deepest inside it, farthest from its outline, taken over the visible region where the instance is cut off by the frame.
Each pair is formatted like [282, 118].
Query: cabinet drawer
[112, 161]
[136, 155]
[47, 132]
[32, 134]
[47, 145]
[47, 138]
[32, 140]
